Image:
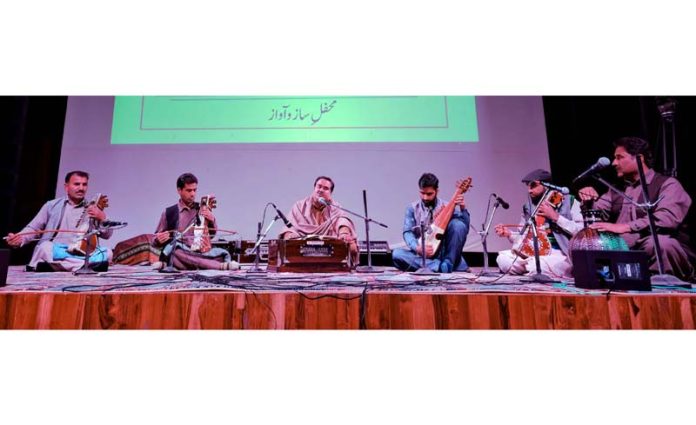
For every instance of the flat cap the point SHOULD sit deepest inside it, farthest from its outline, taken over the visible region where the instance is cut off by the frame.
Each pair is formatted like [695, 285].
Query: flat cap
[538, 174]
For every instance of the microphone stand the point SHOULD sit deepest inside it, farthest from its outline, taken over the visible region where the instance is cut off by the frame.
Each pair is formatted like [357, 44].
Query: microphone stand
[539, 277]
[485, 228]
[368, 268]
[661, 278]
[170, 258]
[172, 246]
[423, 270]
[86, 269]
[667, 109]
[257, 247]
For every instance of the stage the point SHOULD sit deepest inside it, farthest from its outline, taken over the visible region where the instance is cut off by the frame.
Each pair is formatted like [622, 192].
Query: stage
[135, 297]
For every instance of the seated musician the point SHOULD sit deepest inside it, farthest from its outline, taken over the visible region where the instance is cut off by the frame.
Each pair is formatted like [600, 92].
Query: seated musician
[561, 222]
[448, 256]
[673, 203]
[60, 226]
[182, 217]
[311, 217]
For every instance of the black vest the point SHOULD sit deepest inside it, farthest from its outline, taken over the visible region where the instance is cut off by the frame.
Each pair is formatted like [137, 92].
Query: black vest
[171, 216]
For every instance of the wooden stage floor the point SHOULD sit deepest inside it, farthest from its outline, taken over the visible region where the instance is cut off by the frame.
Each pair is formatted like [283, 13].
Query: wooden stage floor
[135, 297]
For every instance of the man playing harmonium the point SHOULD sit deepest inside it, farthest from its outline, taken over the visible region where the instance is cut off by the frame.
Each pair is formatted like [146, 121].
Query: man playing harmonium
[318, 215]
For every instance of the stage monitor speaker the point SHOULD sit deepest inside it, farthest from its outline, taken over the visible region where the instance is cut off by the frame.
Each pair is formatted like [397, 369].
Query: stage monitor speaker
[615, 270]
[4, 264]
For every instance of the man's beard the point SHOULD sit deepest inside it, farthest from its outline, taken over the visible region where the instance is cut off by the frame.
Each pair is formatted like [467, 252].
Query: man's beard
[536, 199]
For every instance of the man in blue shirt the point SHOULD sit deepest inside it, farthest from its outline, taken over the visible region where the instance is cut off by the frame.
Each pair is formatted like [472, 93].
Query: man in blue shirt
[448, 256]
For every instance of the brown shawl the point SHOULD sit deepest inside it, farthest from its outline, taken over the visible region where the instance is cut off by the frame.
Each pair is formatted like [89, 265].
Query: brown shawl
[308, 220]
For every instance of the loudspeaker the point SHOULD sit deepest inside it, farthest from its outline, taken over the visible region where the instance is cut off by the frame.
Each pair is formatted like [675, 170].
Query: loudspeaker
[615, 270]
[4, 264]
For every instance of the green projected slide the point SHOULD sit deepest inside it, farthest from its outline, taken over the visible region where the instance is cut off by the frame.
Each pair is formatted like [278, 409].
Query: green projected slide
[251, 119]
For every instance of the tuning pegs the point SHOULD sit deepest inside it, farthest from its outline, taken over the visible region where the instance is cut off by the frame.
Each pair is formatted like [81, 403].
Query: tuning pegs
[464, 184]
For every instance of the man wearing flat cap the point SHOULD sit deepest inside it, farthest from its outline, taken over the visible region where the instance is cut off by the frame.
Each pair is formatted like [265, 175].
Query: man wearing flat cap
[561, 222]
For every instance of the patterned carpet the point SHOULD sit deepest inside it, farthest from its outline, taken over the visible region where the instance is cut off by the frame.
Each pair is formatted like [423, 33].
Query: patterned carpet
[122, 278]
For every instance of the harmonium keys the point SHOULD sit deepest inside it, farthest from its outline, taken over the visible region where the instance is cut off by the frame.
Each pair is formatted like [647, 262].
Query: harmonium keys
[308, 256]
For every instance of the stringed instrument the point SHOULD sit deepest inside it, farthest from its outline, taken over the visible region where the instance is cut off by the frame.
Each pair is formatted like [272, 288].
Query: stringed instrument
[84, 245]
[524, 247]
[201, 234]
[435, 232]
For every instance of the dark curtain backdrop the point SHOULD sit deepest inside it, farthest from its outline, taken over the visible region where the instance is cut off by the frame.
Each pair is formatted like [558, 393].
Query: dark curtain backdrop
[582, 129]
[31, 133]
[579, 131]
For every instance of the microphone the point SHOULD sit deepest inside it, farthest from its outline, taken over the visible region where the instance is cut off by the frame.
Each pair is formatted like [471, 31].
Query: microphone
[287, 222]
[563, 190]
[110, 223]
[601, 163]
[324, 201]
[500, 201]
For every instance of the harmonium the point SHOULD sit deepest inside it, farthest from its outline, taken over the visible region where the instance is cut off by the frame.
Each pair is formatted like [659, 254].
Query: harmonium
[308, 255]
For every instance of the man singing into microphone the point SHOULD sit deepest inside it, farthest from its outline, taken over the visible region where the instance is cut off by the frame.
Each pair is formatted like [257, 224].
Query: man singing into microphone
[560, 224]
[316, 216]
[448, 257]
[631, 223]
